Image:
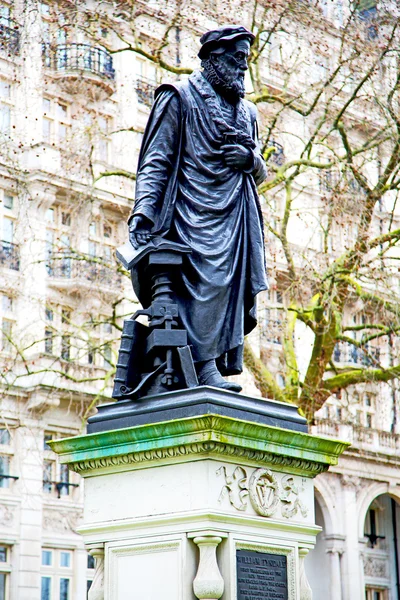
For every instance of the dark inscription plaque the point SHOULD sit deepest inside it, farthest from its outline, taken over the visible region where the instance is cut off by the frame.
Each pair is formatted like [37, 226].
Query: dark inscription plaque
[261, 576]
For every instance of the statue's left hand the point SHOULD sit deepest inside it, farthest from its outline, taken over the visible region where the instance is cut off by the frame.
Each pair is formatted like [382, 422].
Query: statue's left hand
[237, 156]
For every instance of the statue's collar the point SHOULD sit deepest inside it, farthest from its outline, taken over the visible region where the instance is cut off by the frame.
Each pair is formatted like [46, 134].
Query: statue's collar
[212, 100]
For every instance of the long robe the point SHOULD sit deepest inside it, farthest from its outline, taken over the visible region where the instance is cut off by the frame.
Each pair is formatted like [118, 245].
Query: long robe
[191, 196]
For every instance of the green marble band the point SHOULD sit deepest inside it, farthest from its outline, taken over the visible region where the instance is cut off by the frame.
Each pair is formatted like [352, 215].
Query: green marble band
[195, 438]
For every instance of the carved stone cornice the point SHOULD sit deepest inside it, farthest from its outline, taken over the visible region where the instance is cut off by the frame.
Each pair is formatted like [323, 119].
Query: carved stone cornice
[212, 449]
[204, 436]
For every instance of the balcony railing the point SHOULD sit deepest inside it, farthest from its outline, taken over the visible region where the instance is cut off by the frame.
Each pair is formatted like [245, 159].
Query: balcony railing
[347, 353]
[9, 255]
[145, 89]
[84, 268]
[333, 180]
[9, 35]
[67, 58]
[384, 442]
[61, 487]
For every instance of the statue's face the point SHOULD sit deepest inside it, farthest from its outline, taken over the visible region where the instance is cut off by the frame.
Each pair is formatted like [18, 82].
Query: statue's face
[232, 63]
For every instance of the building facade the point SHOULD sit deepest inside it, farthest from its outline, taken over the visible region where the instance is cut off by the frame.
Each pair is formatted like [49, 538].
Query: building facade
[72, 114]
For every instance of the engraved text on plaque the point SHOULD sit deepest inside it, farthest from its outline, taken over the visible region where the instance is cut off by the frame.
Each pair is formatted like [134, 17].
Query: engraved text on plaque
[261, 576]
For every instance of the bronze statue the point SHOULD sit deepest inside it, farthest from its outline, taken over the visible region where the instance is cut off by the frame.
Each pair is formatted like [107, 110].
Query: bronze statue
[199, 166]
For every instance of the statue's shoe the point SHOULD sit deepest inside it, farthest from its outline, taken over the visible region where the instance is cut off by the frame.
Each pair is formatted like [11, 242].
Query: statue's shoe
[227, 385]
[208, 374]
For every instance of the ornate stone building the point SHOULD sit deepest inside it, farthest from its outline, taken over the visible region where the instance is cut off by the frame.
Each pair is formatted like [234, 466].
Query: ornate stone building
[69, 112]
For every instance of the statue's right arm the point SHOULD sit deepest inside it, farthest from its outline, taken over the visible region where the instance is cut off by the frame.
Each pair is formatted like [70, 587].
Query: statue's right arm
[157, 161]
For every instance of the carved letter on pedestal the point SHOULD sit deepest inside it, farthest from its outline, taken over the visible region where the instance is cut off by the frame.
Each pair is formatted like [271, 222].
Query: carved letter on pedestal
[305, 589]
[208, 583]
[266, 492]
[96, 591]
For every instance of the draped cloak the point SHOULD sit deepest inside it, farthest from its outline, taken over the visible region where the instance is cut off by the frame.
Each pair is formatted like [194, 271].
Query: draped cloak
[193, 197]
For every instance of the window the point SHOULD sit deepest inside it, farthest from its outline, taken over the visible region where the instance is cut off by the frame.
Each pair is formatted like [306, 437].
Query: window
[9, 252]
[5, 89]
[55, 121]
[56, 481]
[8, 202]
[146, 82]
[6, 303]
[373, 526]
[271, 318]
[64, 588]
[6, 335]
[101, 243]
[49, 333]
[367, 12]
[48, 477]
[99, 346]
[365, 411]
[103, 139]
[65, 557]
[58, 243]
[46, 588]
[91, 357]
[48, 342]
[65, 347]
[50, 215]
[5, 437]
[5, 118]
[107, 353]
[107, 328]
[364, 6]
[4, 470]
[338, 13]
[64, 482]
[375, 594]
[91, 565]
[47, 437]
[57, 328]
[66, 219]
[57, 574]
[8, 230]
[5, 569]
[44, 9]
[47, 558]
[54, 31]
[280, 379]
[65, 315]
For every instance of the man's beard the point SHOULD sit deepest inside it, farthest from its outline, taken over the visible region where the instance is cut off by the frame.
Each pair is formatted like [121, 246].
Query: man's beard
[227, 83]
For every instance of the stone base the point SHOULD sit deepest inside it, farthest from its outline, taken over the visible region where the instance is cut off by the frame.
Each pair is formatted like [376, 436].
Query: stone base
[202, 400]
[206, 505]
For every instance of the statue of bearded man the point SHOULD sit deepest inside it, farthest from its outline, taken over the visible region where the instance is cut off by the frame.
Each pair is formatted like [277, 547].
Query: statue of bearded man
[198, 170]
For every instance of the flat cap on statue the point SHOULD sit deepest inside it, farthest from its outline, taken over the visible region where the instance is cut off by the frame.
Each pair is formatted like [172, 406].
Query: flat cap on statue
[217, 37]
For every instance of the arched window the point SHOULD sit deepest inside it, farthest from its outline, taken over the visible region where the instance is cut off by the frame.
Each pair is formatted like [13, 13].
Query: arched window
[381, 555]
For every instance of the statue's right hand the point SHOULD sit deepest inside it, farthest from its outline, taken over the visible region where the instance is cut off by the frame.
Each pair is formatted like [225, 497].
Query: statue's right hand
[139, 231]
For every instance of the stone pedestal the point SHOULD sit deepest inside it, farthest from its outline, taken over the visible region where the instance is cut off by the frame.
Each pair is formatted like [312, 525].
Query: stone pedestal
[196, 502]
